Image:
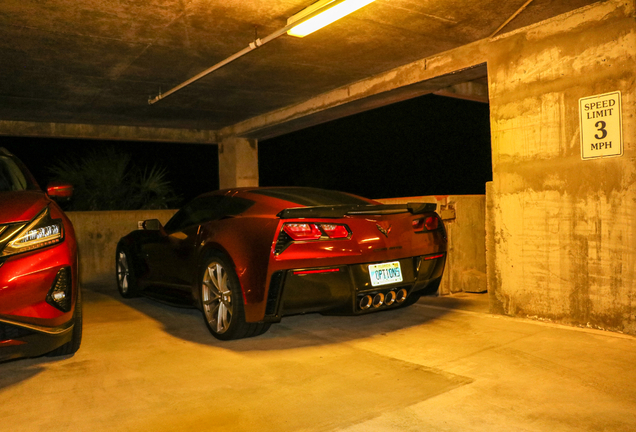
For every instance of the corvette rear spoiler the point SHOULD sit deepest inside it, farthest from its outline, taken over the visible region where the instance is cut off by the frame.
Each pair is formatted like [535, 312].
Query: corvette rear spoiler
[339, 211]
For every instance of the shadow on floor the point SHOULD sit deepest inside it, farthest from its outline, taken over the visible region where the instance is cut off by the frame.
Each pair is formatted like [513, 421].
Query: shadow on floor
[463, 301]
[293, 332]
[15, 371]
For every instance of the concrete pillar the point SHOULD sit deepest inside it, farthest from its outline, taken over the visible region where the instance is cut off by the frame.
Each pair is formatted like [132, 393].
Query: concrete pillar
[562, 240]
[238, 162]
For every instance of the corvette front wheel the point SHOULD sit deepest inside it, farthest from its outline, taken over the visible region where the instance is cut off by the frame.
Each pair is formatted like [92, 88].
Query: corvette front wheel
[126, 280]
[222, 302]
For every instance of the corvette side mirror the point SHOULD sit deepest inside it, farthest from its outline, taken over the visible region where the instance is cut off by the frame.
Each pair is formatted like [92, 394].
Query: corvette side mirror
[150, 225]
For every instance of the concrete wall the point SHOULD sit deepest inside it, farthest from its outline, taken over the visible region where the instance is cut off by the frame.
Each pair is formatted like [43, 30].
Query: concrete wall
[98, 233]
[464, 219]
[562, 230]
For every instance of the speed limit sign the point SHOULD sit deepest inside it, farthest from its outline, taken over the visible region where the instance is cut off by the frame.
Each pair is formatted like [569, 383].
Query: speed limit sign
[601, 126]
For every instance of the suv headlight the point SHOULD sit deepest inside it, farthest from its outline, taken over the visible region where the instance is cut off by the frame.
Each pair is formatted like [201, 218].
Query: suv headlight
[41, 232]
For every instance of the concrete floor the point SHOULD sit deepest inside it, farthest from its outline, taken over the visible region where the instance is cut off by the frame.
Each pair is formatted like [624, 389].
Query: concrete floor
[444, 364]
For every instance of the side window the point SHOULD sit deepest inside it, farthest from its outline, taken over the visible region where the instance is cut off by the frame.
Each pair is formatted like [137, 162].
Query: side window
[234, 206]
[206, 209]
[195, 212]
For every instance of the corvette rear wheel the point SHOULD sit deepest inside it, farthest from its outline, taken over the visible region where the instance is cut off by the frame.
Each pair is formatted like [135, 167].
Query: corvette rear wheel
[222, 302]
[126, 280]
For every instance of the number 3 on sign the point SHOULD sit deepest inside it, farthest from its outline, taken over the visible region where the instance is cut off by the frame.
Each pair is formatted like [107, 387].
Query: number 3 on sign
[601, 128]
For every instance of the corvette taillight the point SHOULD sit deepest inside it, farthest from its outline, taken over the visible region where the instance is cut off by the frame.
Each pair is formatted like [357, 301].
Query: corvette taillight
[428, 223]
[335, 231]
[315, 231]
[302, 231]
[309, 231]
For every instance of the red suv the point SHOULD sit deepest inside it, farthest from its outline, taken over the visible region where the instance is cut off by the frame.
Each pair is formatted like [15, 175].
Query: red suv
[40, 299]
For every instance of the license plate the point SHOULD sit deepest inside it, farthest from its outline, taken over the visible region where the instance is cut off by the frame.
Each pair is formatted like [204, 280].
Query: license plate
[385, 273]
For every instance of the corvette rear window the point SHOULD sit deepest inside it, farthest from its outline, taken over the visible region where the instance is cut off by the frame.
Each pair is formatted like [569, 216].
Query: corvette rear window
[311, 196]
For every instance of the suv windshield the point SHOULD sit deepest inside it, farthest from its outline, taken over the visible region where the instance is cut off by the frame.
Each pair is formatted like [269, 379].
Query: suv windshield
[12, 176]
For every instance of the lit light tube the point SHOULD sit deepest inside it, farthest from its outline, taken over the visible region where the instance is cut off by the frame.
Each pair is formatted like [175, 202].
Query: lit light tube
[334, 13]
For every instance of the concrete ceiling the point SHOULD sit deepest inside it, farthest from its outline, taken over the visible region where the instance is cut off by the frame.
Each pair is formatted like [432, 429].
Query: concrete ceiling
[98, 61]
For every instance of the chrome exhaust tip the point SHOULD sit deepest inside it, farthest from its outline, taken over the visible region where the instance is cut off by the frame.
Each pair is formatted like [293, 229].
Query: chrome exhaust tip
[378, 300]
[389, 298]
[401, 295]
[366, 302]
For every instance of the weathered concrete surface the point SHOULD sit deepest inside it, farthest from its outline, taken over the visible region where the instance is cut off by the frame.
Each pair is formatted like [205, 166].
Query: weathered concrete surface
[238, 163]
[464, 220]
[562, 242]
[466, 264]
[106, 132]
[144, 366]
[392, 86]
[459, 66]
[97, 234]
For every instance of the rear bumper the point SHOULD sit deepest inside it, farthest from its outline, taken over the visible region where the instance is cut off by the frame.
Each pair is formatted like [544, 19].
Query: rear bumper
[341, 290]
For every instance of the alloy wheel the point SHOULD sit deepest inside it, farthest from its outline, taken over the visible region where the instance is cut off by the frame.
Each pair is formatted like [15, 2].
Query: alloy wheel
[217, 297]
[123, 272]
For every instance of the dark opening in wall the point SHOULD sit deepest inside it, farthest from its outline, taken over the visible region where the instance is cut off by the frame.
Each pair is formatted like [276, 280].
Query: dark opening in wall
[192, 169]
[430, 145]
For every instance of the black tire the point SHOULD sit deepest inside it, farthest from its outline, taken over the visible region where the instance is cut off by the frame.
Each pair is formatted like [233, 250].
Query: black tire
[73, 345]
[125, 272]
[431, 289]
[222, 301]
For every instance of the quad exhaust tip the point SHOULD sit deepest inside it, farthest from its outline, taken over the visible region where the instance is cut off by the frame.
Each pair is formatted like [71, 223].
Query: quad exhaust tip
[379, 299]
[389, 298]
[401, 295]
[366, 302]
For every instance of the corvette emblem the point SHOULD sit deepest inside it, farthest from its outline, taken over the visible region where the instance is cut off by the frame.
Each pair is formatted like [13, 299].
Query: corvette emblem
[384, 228]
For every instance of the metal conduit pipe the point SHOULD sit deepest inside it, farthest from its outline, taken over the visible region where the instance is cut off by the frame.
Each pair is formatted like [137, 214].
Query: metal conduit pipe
[252, 46]
[513, 16]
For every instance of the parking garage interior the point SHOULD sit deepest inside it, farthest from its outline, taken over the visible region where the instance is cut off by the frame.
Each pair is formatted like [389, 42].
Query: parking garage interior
[548, 347]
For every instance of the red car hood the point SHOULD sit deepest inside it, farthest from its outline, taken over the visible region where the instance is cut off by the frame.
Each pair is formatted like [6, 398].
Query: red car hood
[21, 206]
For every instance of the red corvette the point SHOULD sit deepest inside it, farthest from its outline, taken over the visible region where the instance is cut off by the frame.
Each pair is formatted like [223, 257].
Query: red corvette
[40, 305]
[247, 257]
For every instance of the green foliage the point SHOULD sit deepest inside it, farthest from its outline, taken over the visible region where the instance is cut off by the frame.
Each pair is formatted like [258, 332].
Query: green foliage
[107, 179]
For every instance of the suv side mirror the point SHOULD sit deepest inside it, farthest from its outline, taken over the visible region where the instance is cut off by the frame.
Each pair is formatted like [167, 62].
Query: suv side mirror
[150, 225]
[60, 191]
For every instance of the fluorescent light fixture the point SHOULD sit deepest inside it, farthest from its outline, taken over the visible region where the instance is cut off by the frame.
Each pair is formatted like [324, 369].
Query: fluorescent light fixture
[310, 19]
[326, 12]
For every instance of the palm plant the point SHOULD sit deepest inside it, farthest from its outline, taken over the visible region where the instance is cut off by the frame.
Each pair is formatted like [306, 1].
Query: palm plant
[108, 179]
